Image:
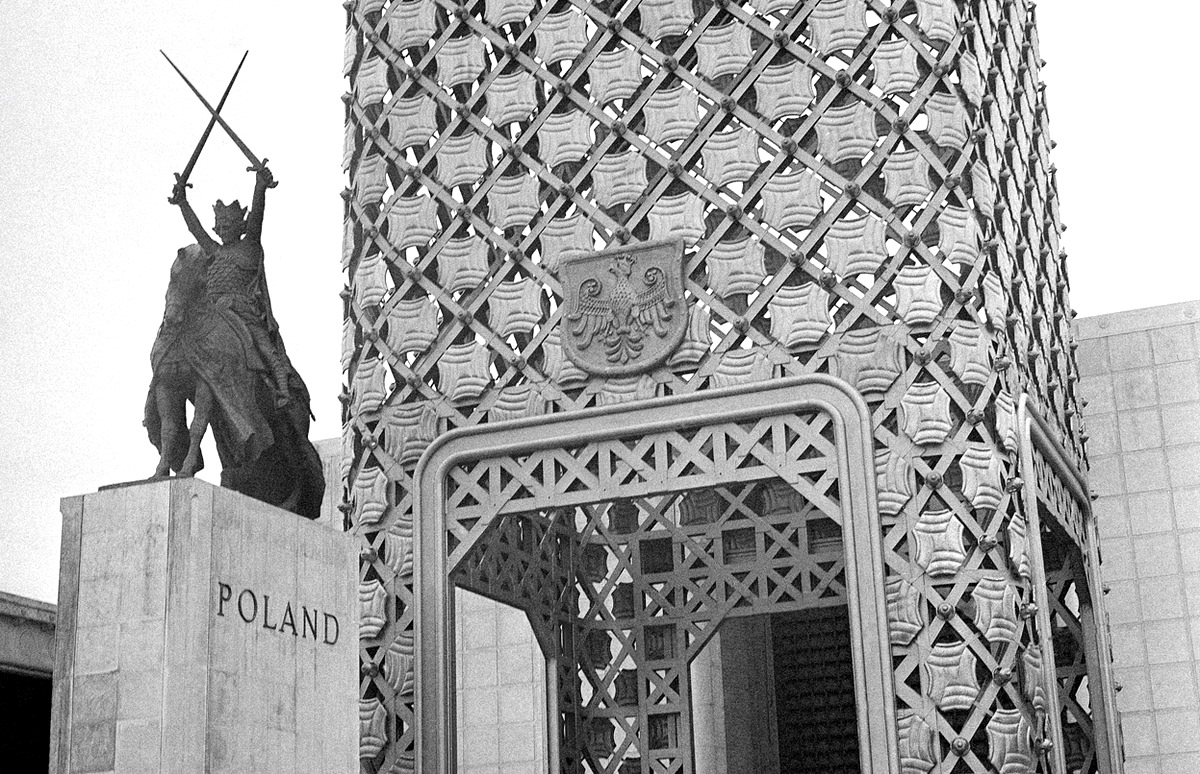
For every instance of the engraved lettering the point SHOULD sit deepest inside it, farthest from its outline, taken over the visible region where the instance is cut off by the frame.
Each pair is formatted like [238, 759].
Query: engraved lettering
[288, 620]
[267, 612]
[311, 620]
[304, 626]
[241, 605]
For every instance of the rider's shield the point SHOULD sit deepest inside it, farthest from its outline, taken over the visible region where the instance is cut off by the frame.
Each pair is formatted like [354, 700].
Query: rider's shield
[626, 311]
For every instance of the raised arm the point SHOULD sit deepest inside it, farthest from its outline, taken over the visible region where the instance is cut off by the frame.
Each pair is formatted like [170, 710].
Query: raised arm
[179, 199]
[263, 180]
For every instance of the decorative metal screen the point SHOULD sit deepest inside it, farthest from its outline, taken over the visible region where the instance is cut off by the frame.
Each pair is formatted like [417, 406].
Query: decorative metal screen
[1084, 715]
[864, 190]
[1070, 603]
[629, 536]
[650, 577]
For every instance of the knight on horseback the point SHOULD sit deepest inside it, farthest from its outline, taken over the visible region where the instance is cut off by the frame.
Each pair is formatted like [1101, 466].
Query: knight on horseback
[219, 347]
[234, 276]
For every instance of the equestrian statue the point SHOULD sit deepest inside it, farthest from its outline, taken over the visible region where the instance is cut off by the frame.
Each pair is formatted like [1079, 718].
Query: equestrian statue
[219, 347]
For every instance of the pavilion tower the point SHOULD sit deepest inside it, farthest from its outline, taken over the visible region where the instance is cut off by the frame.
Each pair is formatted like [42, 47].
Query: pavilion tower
[863, 193]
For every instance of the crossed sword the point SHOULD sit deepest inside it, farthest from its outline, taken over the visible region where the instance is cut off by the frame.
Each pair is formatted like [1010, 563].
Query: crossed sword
[181, 179]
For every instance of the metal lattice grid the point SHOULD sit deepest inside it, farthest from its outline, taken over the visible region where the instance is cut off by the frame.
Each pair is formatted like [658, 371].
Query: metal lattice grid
[653, 579]
[623, 593]
[865, 190]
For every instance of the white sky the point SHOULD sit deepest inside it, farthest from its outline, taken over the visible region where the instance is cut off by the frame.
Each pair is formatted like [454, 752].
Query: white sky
[93, 122]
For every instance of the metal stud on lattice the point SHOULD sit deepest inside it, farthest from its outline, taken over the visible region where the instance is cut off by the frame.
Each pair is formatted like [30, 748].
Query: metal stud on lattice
[863, 189]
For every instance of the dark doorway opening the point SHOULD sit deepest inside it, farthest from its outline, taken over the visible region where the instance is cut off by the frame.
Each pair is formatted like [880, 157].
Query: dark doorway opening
[814, 691]
[25, 721]
[774, 694]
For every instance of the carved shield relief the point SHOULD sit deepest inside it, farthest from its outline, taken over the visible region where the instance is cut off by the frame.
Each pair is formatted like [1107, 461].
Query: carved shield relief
[626, 311]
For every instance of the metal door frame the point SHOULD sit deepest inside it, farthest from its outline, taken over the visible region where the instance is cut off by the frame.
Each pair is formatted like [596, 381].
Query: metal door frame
[1035, 432]
[862, 535]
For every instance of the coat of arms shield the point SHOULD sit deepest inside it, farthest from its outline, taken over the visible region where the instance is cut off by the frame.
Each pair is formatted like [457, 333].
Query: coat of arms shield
[626, 311]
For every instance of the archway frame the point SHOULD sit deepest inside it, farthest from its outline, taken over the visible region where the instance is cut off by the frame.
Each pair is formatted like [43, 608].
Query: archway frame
[862, 536]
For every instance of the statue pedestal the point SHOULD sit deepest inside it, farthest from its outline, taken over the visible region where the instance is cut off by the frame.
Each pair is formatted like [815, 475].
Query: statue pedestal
[201, 631]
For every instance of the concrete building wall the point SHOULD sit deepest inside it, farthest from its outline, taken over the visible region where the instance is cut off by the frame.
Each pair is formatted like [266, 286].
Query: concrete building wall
[501, 689]
[26, 636]
[1141, 380]
[330, 450]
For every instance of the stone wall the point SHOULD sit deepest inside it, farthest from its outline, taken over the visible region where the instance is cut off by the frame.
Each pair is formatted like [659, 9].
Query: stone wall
[502, 695]
[202, 630]
[1141, 380]
[26, 635]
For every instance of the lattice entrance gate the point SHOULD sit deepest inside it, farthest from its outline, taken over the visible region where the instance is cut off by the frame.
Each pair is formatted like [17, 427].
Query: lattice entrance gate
[629, 544]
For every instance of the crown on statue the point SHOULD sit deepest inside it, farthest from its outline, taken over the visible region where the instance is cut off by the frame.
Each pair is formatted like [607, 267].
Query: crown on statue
[233, 211]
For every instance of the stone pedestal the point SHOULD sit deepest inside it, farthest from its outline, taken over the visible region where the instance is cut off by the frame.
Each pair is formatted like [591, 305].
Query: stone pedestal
[201, 631]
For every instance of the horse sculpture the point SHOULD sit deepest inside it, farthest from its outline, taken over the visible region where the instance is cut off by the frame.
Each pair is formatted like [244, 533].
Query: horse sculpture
[204, 354]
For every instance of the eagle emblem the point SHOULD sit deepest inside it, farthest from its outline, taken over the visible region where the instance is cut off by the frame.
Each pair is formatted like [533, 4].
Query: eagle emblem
[625, 307]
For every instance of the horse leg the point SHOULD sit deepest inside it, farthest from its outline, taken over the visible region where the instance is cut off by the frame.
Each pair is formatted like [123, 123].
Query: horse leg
[171, 417]
[203, 402]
